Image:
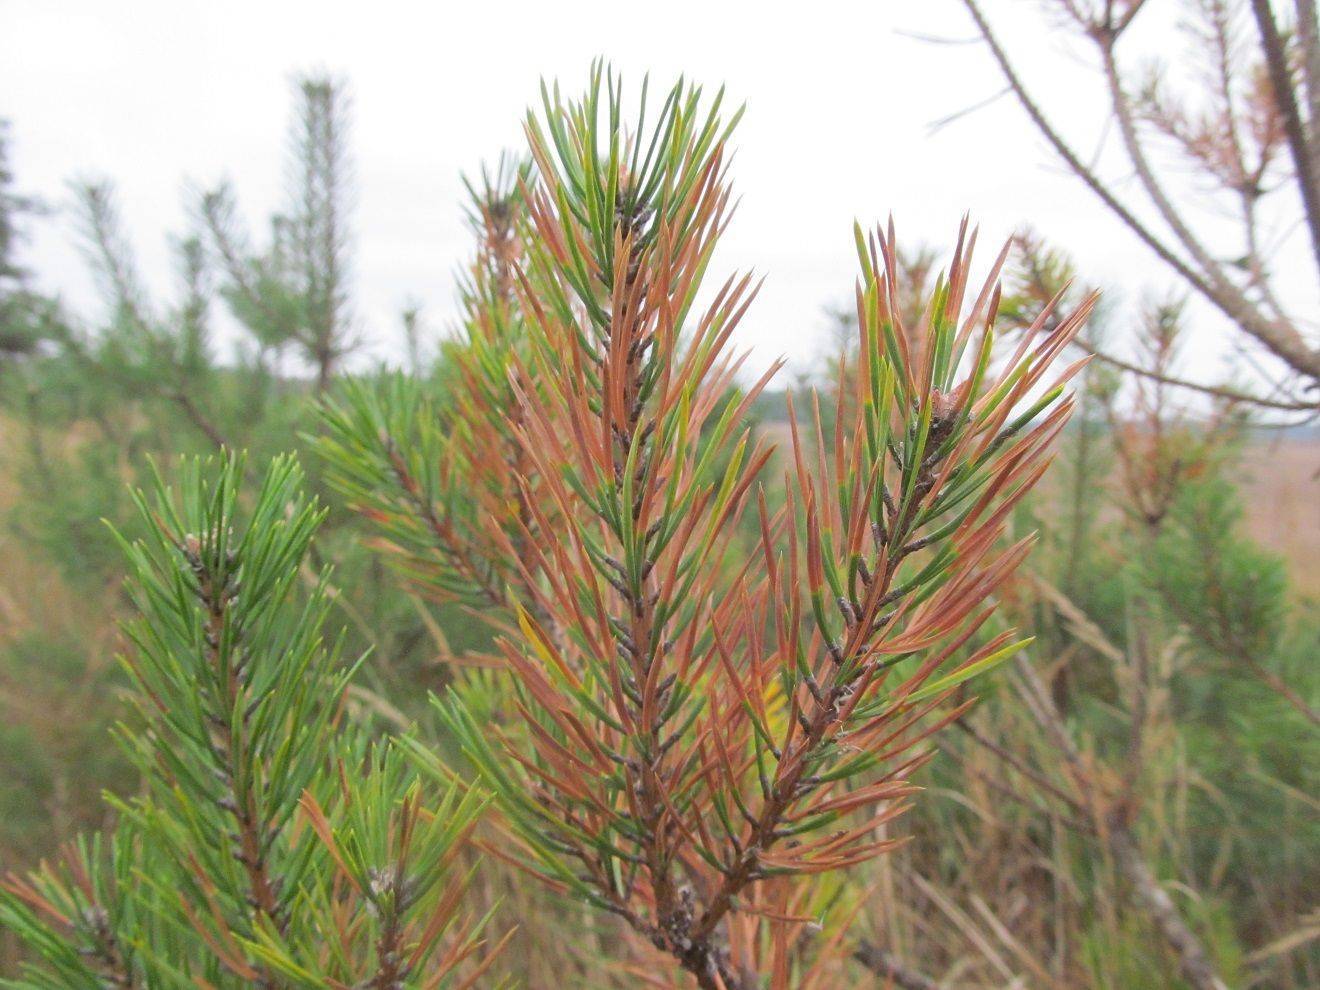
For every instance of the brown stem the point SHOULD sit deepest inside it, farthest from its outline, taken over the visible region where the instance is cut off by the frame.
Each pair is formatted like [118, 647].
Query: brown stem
[789, 785]
[110, 963]
[235, 265]
[1012, 761]
[1144, 888]
[1231, 645]
[199, 419]
[1281, 687]
[642, 632]
[1136, 152]
[325, 368]
[1308, 40]
[1147, 890]
[1161, 376]
[262, 896]
[886, 965]
[391, 969]
[444, 541]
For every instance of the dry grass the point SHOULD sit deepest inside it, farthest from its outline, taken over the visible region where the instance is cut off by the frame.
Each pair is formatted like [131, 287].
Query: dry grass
[1281, 488]
[1280, 482]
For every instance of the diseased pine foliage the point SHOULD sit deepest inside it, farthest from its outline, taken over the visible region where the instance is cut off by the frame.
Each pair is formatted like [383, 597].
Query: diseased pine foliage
[692, 682]
[705, 713]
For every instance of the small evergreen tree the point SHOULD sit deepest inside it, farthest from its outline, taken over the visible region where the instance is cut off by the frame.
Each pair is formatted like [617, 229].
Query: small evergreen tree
[274, 845]
[295, 293]
[25, 317]
[706, 715]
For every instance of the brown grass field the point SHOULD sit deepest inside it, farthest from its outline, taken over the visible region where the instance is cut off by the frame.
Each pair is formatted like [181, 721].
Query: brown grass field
[1281, 489]
[1280, 483]
[1281, 497]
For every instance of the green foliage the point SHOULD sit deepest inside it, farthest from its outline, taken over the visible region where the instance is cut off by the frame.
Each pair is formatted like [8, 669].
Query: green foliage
[273, 845]
[1230, 595]
[1248, 690]
[235, 684]
[25, 790]
[399, 878]
[386, 446]
[82, 414]
[75, 916]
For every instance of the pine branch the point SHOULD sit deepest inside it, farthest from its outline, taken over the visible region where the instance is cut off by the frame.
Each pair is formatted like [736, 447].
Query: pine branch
[648, 774]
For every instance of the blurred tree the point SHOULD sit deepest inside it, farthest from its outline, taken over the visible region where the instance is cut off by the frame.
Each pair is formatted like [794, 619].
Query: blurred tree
[26, 318]
[84, 401]
[295, 293]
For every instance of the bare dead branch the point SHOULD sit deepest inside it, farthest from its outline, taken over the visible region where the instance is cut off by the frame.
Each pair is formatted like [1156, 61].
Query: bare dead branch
[1280, 337]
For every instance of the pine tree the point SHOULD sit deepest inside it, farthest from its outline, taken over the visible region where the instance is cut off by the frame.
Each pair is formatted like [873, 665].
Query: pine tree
[296, 291]
[273, 844]
[26, 318]
[703, 723]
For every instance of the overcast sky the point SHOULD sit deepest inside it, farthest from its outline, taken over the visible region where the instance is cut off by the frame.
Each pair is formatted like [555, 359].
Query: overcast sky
[155, 94]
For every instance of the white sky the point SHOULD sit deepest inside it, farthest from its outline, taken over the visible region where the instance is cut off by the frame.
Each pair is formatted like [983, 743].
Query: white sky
[154, 93]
